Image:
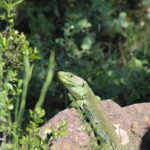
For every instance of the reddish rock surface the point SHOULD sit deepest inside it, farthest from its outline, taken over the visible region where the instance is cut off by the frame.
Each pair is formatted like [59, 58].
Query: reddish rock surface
[140, 124]
[133, 122]
[76, 138]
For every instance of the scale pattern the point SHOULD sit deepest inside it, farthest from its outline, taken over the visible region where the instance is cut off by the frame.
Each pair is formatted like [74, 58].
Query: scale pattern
[102, 124]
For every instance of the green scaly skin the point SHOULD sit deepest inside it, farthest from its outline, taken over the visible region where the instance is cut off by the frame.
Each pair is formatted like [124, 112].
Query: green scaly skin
[91, 106]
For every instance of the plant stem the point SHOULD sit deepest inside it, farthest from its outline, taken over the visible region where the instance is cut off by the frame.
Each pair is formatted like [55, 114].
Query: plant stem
[28, 73]
[47, 82]
[1, 69]
[9, 123]
[17, 106]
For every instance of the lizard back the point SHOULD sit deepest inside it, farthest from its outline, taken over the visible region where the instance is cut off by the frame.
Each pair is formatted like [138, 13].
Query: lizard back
[102, 123]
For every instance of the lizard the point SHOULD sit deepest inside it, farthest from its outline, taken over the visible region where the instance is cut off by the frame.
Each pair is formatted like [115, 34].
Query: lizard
[89, 103]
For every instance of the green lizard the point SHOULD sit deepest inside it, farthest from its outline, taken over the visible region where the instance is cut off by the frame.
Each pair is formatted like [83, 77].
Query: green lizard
[90, 104]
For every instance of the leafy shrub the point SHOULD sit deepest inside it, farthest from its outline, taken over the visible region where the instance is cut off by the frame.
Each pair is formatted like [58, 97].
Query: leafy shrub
[16, 66]
[105, 42]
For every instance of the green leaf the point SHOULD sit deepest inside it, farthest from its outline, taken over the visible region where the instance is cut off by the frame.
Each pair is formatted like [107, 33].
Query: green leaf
[17, 2]
[20, 82]
[3, 16]
[12, 15]
[87, 43]
[4, 5]
[63, 123]
[83, 23]
[10, 107]
[123, 15]
[122, 19]
[3, 119]
[8, 86]
[42, 113]
[62, 132]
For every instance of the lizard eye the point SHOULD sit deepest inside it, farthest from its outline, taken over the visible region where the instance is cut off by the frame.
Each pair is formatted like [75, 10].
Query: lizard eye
[71, 76]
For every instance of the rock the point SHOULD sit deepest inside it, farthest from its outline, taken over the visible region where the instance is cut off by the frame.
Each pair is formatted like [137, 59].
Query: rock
[117, 115]
[76, 138]
[131, 122]
[124, 138]
[140, 123]
[119, 118]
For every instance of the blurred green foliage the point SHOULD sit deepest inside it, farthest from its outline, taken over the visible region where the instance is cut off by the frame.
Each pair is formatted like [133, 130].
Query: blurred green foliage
[105, 42]
[19, 130]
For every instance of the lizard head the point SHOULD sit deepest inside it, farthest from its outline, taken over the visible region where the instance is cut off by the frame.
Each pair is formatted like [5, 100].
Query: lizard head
[73, 83]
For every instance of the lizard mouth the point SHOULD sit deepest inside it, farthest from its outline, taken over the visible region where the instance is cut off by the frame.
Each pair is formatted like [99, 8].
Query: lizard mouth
[60, 74]
[63, 77]
[69, 79]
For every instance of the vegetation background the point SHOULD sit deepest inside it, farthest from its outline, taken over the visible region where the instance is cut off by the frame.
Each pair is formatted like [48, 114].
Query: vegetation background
[105, 42]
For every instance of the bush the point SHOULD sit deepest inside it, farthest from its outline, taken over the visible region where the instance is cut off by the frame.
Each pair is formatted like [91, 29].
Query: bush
[104, 42]
[16, 66]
